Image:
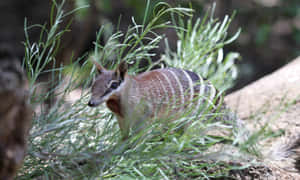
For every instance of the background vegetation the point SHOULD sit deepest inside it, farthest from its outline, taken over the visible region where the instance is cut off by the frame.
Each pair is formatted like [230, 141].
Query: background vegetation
[269, 37]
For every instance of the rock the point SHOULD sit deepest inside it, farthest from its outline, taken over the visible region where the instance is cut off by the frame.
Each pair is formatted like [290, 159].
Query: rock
[274, 100]
[269, 90]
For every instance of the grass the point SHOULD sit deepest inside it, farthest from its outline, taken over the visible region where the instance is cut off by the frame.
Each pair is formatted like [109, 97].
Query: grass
[200, 49]
[74, 141]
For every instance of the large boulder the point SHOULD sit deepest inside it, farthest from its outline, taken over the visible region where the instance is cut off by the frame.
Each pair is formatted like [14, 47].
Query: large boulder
[274, 100]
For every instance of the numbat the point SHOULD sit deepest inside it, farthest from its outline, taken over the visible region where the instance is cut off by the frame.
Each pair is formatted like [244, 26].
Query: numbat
[162, 93]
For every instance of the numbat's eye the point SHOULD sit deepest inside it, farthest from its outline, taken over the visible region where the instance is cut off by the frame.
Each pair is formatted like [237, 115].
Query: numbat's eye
[114, 85]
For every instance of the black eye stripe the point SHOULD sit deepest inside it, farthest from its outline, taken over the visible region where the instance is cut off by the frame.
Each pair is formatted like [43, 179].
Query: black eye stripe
[114, 85]
[106, 92]
[111, 82]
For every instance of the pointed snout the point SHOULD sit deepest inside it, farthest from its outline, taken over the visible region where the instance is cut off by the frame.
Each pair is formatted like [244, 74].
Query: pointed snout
[92, 103]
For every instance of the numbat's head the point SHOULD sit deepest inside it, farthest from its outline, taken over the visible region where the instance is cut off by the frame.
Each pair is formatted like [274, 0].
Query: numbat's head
[106, 83]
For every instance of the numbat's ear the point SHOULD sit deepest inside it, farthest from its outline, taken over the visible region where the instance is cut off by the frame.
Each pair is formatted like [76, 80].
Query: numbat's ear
[122, 69]
[98, 66]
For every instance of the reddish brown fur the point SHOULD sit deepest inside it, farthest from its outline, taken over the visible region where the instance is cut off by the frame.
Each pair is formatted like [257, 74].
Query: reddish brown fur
[114, 105]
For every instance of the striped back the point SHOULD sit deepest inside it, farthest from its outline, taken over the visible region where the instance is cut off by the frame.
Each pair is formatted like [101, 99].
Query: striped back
[172, 90]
